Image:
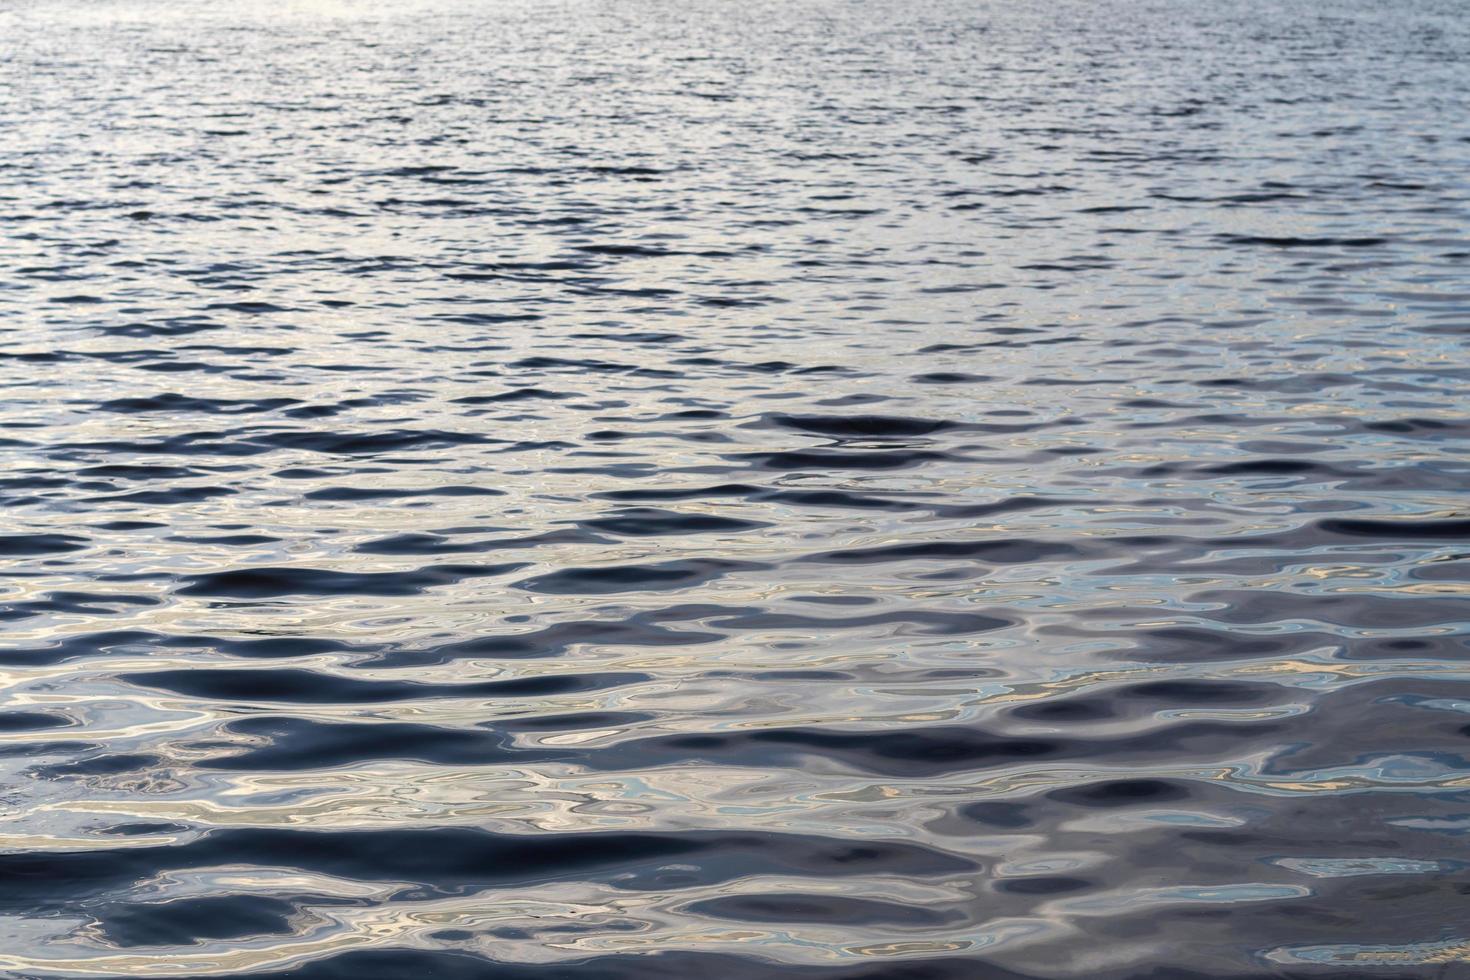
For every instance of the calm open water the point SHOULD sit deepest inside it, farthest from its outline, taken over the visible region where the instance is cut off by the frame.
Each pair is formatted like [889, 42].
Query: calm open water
[867, 489]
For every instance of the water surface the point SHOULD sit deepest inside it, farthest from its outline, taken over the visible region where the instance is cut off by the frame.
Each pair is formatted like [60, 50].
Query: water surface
[820, 490]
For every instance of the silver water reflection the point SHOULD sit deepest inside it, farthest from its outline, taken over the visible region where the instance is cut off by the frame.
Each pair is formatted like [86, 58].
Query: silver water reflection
[754, 489]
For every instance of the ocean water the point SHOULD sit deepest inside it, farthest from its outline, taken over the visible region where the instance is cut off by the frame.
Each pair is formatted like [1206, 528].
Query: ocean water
[865, 489]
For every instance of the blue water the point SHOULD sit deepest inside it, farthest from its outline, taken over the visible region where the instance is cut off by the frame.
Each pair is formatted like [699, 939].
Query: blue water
[864, 489]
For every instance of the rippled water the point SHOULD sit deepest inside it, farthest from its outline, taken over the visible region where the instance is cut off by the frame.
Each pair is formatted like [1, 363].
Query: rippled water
[856, 489]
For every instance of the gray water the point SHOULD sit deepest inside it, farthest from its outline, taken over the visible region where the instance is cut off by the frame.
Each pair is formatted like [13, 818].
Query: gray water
[859, 489]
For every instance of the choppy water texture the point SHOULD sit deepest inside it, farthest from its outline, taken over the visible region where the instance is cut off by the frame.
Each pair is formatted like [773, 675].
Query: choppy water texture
[734, 490]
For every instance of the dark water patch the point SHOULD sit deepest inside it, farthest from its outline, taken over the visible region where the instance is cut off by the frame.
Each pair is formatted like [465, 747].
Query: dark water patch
[827, 460]
[449, 860]
[65, 648]
[950, 378]
[141, 471]
[1443, 571]
[437, 544]
[573, 365]
[791, 908]
[248, 306]
[354, 494]
[31, 721]
[367, 443]
[390, 964]
[928, 751]
[144, 829]
[1043, 885]
[1182, 693]
[271, 582]
[1011, 505]
[173, 402]
[651, 521]
[181, 327]
[930, 622]
[638, 630]
[185, 922]
[516, 395]
[1201, 644]
[860, 426]
[315, 687]
[294, 744]
[1122, 792]
[100, 765]
[1287, 241]
[78, 603]
[1066, 710]
[1006, 816]
[486, 319]
[227, 540]
[997, 551]
[1399, 530]
[1369, 612]
[680, 493]
[177, 495]
[634, 337]
[24, 545]
[679, 574]
[1274, 467]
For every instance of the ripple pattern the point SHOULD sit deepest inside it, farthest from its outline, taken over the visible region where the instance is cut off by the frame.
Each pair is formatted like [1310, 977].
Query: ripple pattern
[834, 490]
